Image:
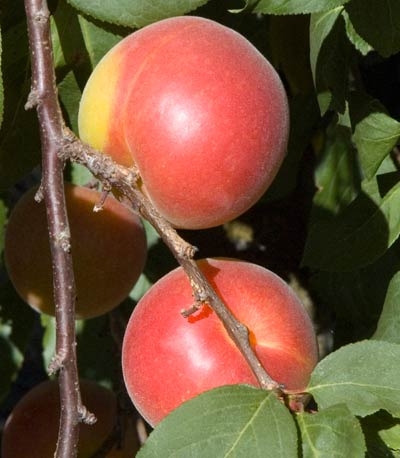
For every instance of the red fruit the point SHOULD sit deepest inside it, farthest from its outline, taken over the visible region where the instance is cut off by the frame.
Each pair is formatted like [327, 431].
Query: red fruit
[168, 359]
[198, 109]
[31, 430]
[108, 248]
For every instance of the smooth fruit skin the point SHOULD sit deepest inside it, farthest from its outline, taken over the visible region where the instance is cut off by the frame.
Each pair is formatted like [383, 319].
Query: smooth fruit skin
[168, 359]
[198, 109]
[31, 430]
[108, 250]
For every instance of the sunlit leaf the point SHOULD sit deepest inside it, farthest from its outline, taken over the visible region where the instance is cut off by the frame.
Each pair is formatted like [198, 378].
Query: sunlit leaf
[375, 136]
[359, 43]
[297, 6]
[234, 421]
[365, 376]
[135, 13]
[331, 432]
[389, 322]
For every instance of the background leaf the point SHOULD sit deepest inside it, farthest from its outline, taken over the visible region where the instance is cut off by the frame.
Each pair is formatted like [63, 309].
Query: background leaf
[375, 136]
[3, 222]
[135, 13]
[321, 25]
[382, 434]
[19, 136]
[352, 301]
[377, 22]
[296, 6]
[361, 233]
[365, 376]
[1, 86]
[329, 57]
[337, 175]
[359, 43]
[235, 421]
[16, 324]
[331, 432]
[389, 322]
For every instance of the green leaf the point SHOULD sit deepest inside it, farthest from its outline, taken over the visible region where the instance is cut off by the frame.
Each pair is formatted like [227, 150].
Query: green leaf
[331, 432]
[359, 43]
[389, 322]
[361, 233]
[48, 339]
[336, 176]
[66, 36]
[290, 52]
[140, 288]
[3, 222]
[382, 435]
[1, 87]
[135, 13]
[98, 40]
[375, 136]
[16, 313]
[79, 44]
[79, 174]
[296, 6]
[70, 96]
[19, 136]
[356, 298]
[321, 24]
[377, 22]
[231, 421]
[330, 53]
[365, 376]
[304, 116]
[16, 320]
[391, 437]
[92, 335]
[10, 356]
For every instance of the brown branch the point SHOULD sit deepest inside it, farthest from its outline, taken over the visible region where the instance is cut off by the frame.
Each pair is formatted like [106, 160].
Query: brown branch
[43, 96]
[125, 180]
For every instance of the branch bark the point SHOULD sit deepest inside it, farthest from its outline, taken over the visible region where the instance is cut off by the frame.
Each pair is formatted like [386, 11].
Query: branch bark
[43, 97]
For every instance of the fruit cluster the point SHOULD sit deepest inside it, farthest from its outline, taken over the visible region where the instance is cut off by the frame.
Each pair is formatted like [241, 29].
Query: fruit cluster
[204, 118]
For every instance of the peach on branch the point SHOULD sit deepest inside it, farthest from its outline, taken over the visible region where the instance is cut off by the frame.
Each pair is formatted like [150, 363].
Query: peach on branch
[198, 109]
[31, 429]
[108, 250]
[168, 359]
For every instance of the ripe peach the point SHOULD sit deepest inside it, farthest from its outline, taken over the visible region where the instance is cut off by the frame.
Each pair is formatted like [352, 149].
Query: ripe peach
[198, 109]
[31, 430]
[167, 359]
[108, 249]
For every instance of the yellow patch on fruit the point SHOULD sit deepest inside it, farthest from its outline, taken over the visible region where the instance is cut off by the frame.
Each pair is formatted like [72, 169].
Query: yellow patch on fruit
[96, 106]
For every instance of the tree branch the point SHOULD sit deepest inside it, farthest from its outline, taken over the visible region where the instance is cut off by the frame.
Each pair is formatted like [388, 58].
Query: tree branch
[43, 96]
[125, 180]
